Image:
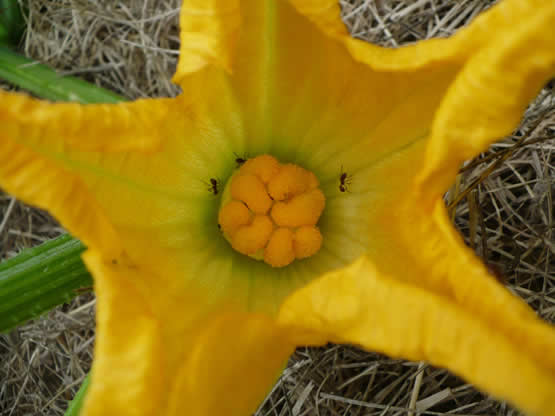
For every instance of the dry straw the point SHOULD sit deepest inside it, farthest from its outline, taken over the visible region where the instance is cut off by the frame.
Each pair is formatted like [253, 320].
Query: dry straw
[506, 214]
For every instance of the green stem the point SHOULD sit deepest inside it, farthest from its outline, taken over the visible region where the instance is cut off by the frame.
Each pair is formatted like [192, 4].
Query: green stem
[47, 83]
[77, 402]
[12, 24]
[40, 278]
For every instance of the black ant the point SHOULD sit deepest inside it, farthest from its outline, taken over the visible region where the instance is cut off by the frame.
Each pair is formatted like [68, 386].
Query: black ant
[213, 186]
[240, 160]
[344, 181]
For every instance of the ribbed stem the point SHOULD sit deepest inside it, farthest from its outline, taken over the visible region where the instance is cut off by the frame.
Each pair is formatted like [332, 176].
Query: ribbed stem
[47, 83]
[40, 278]
[12, 24]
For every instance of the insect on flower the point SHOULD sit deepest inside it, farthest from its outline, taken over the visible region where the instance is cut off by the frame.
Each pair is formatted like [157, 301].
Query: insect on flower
[344, 181]
[240, 159]
[213, 186]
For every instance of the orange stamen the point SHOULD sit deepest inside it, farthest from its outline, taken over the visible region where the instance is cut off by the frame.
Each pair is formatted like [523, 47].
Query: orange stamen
[271, 211]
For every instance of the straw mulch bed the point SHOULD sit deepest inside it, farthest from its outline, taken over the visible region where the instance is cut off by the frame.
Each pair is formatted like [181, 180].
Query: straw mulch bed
[505, 212]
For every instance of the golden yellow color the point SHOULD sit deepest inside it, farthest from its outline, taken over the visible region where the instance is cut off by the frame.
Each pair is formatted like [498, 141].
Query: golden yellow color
[182, 316]
[291, 197]
[233, 215]
[251, 190]
[306, 241]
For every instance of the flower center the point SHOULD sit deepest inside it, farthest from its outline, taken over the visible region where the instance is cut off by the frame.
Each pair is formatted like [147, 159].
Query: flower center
[270, 210]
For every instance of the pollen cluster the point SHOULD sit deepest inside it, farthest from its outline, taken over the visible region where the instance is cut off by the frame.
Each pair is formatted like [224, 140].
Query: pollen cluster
[271, 211]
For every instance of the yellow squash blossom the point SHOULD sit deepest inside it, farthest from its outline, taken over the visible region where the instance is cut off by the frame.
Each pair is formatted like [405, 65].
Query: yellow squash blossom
[204, 281]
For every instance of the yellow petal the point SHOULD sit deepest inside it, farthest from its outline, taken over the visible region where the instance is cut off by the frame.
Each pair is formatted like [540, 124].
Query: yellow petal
[392, 98]
[414, 244]
[326, 14]
[489, 96]
[37, 136]
[362, 306]
[121, 176]
[300, 96]
[208, 32]
[298, 89]
[96, 127]
[129, 348]
[161, 355]
[422, 54]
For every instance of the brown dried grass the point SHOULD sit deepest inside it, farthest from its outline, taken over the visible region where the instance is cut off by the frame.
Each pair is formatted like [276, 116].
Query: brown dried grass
[130, 46]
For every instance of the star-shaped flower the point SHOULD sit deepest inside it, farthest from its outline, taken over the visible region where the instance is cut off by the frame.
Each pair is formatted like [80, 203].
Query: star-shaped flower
[291, 195]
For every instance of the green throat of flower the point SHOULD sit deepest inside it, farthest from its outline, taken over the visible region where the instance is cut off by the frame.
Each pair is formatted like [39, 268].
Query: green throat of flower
[269, 211]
